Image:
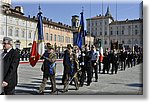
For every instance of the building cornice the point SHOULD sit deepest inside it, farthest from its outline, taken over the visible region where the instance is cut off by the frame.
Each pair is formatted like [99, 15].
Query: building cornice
[127, 21]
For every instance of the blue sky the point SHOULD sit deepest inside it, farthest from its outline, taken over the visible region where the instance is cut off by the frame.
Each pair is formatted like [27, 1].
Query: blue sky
[62, 12]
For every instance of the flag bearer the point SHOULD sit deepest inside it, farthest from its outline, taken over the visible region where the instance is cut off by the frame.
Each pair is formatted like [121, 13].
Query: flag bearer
[49, 69]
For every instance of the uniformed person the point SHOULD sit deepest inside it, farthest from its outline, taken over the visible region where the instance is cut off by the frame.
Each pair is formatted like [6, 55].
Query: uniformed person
[114, 62]
[88, 65]
[49, 69]
[66, 63]
[94, 60]
[105, 63]
[71, 67]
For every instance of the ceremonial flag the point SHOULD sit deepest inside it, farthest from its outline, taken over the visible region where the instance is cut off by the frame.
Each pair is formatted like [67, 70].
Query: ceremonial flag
[101, 52]
[38, 43]
[81, 33]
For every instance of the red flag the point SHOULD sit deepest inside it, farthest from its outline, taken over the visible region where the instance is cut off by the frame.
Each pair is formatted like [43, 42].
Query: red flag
[38, 43]
[101, 54]
[34, 57]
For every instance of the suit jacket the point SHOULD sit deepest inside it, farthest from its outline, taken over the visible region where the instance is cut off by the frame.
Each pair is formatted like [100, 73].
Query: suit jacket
[10, 65]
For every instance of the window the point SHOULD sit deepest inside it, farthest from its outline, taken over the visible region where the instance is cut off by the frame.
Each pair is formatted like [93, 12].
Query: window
[100, 23]
[111, 32]
[136, 32]
[10, 31]
[129, 41]
[71, 40]
[122, 41]
[55, 37]
[46, 36]
[95, 23]
[23, 33]
[129, 31]
[129, 27]
[141, 42]
[117, 32]
[95, 33]
[62, 38]
[122, 32]
[58, 38]
[30, 33]
[67, 39]
[17, 22]
[17, 32]
[136, 41]
[105, 32]
[51, 37]
[105, 42]
[1, 31]
[100, 33]
[105, 22]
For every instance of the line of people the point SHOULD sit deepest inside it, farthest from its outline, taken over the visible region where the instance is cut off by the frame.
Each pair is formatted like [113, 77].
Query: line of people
[120, 60]
[80, 65]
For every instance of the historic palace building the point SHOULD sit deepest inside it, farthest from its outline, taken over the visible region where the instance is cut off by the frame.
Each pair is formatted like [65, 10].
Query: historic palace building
[22, 29]
[128, 33]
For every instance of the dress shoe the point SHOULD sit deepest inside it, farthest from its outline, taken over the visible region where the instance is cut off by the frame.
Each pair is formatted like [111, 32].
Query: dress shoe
[41, 93]
[88, 84]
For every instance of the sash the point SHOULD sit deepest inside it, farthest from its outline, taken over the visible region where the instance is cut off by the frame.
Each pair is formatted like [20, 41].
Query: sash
[51, 68]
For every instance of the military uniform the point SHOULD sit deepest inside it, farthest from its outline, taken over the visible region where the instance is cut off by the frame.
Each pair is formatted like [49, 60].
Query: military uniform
[49, 71]
[72, 69]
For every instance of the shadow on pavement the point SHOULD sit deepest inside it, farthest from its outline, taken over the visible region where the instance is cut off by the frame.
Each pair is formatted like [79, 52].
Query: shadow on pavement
[135, 85]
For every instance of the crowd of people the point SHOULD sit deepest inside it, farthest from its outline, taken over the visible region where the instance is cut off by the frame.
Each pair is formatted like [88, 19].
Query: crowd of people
[81, 65]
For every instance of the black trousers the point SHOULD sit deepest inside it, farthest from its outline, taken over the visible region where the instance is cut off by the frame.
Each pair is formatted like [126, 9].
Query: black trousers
[94, 66]
[114, 68]
[10, 92]
[83, 75]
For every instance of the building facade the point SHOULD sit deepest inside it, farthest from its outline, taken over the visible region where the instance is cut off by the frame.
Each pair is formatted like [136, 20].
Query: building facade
[22, 29]
[15, 25]
[57, 34]
[128, 33]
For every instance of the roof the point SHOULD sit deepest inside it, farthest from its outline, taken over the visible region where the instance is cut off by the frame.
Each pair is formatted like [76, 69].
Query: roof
[100, 17]
[12, 12]
[127, 21]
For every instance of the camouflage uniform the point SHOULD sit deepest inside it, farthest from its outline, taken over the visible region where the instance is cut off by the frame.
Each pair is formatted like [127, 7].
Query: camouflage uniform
[48, 72]
[72, 72]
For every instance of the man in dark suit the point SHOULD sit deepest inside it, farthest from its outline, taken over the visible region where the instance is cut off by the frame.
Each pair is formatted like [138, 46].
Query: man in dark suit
[10, 59]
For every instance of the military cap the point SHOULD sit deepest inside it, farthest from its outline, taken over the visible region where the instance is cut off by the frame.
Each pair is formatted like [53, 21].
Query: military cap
[93, 46]
[47, 44]
[7, 40]
[69, 46]
[50, 47]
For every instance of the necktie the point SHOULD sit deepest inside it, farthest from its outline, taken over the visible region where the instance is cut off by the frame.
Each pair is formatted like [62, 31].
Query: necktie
[5, 51]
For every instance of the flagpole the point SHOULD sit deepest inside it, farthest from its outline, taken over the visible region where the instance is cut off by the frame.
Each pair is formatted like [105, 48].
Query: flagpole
[90, 26]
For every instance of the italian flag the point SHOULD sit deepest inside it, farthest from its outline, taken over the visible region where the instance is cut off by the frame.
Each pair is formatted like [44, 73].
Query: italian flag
[101, 54]
[38, 48]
